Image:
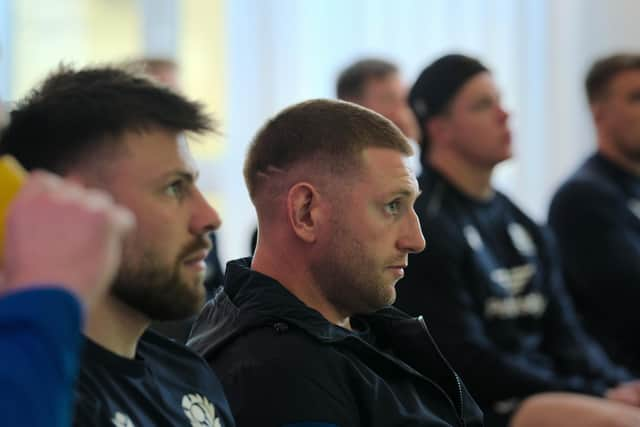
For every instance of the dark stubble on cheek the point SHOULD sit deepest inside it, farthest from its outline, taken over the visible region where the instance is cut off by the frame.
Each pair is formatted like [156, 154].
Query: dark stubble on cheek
[348, 277]
[158, 291]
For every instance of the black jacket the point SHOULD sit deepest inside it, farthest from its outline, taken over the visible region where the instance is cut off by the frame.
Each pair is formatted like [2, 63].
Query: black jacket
[596, 217]
[283, 363]
[490, 285]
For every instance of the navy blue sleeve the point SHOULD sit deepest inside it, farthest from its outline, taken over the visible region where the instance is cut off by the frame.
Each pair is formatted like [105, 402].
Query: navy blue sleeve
[39, 343]
[438, 285]
[599, 252]
[573, 349]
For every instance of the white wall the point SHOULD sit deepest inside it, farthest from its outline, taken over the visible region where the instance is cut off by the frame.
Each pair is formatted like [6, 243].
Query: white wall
[283, 51]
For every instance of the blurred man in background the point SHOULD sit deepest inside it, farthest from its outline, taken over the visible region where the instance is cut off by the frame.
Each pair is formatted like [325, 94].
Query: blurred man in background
[163, 70]
[596, 213]
[377, 85]
[489, 282]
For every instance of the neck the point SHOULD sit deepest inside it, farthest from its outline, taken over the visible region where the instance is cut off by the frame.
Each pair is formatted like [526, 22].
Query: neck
[292, 272]
[608, 149]
[471, 179]
[115, 326]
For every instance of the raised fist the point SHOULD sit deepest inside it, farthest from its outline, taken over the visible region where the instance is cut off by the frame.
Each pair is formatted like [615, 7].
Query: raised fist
[59, 233]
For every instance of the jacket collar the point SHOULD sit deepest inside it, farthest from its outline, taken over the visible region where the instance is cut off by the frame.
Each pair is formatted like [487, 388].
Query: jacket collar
[250, 299]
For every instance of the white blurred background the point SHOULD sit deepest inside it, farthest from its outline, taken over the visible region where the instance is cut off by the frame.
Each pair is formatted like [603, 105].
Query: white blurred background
[247, 59]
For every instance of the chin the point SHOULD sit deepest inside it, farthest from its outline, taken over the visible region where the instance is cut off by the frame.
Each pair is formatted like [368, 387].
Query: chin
[193, 280]
[200, 294]
[503, 157]
[392, 297]
[389, 297]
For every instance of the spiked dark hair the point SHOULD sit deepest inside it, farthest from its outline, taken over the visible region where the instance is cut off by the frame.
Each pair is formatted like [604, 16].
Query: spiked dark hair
[76, 112]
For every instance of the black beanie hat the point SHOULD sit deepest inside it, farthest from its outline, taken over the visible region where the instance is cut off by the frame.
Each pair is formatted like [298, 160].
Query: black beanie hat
[439, 83]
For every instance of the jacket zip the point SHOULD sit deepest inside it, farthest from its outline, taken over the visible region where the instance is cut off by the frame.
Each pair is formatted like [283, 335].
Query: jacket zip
[458, 382]
[434, 384]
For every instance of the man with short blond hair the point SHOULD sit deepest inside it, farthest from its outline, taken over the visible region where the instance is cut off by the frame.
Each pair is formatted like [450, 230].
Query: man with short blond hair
[307, 320]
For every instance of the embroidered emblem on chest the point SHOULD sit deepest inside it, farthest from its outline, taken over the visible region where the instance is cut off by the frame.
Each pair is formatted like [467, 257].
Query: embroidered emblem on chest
[121, 420]
[473, 237]
[517, 303]
[634, 207]
[200, 411]
[521, 239]
[515, 279]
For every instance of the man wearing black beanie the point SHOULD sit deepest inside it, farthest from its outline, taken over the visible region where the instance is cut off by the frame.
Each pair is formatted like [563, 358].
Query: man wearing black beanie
[488, 282]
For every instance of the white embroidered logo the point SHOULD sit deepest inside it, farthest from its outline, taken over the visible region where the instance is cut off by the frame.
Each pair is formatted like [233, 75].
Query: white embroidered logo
[200, 411]
[634, 206]
[121, 420]
[533, 304]
[473, 237]
[521, 239]
[515, 279]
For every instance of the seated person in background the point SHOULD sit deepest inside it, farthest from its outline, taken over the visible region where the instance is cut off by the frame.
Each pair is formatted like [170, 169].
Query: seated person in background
[596, 213]
[303, 334]
[163, 70]
[489, 283]
[44, 287]
[376, 84]
[112, 130]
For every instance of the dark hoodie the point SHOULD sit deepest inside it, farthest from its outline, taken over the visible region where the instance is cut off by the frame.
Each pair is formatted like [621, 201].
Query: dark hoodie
[283, 364]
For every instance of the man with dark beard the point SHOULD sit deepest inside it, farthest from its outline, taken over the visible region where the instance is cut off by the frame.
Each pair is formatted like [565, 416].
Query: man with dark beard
[108, 129]
[596, 213]
[167, 72]
[303, 334]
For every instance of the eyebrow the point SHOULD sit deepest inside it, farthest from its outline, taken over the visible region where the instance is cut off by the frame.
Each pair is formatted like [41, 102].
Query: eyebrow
[191, 177]
[407, 193]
